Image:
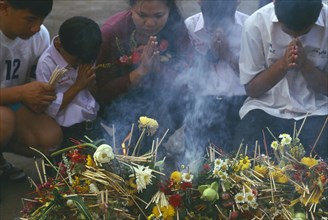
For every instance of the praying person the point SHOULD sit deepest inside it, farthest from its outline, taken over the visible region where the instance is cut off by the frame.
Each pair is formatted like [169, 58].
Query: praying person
[74, 49]
[144, 49]
[22, 102]
[284, 67]
[215, 33]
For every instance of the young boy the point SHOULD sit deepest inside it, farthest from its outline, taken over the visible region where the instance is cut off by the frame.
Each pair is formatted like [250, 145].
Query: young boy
[284, 66]
[215, 33]
[75, 49]
[23, 39]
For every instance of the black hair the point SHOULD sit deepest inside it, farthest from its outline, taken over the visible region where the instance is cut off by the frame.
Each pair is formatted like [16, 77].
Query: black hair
[215, 11]
[297, 15]
[174, 30]
[40, 8]
[81, 37]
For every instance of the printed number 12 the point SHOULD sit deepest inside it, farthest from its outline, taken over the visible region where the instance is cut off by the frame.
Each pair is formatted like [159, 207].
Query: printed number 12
[12, 68]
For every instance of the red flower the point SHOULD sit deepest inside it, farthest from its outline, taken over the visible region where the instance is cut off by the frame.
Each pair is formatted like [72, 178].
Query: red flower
[175, 200]
[186, 185]
[163, 45]
[206, 167]
[76, 157]
[135, 57]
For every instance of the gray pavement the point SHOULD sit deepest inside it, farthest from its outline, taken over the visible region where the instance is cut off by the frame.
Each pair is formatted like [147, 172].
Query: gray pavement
[11, 193]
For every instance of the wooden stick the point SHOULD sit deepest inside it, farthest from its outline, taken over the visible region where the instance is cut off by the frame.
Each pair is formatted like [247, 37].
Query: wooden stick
[114, 141]
[44, 171]
[38, 170]
[316, 141]
[299, 131]
[131, 132]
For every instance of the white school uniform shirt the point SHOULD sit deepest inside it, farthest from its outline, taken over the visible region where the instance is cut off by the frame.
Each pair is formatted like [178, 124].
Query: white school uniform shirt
[263, 43]
[18, 56]
[82, 108]
[221, 79]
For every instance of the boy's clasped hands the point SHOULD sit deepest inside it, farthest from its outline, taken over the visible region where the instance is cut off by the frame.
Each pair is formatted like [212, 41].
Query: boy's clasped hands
[295, 56]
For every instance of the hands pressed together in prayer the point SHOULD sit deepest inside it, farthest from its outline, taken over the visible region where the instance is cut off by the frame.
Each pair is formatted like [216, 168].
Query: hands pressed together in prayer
[85, 76]
[150, 60]
[295, 56]
[220, 46]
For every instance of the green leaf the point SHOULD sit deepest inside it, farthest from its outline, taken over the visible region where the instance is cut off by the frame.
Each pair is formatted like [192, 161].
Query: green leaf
[80, 204]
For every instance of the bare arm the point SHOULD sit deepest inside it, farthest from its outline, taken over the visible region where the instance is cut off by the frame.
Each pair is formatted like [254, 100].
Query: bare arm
[35, 95]
[268, 78]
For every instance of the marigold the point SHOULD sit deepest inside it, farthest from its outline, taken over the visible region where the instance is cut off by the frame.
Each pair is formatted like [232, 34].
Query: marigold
[244, 163]
[167, 212]
[309, 161]
[176, 176]
[261, 170]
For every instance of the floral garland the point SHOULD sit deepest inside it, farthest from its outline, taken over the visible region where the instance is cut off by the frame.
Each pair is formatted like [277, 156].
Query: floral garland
[136, 51]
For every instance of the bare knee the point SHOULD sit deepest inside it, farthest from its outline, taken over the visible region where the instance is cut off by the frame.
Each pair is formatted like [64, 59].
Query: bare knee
[7, 125]
[38, 131]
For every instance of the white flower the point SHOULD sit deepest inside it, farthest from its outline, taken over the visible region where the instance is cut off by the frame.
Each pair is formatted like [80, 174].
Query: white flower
[70, 203]
[239, 198]
[187, 177]
[216, 172]
[143, 177]
[103, 154]
[218, 163]
[275, 145]
[149, 124]
[286, 139]
[250, 197]
[93, 188]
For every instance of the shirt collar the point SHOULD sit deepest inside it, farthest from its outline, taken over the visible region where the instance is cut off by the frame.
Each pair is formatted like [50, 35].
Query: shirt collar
[56, 56]
[200, 25]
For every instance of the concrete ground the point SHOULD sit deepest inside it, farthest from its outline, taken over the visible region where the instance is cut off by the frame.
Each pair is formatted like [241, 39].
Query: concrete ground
[11, 193]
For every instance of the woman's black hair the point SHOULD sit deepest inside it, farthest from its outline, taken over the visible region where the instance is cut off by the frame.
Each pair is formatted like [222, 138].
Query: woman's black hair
[297, 15]
[40, 8]
[81, 37]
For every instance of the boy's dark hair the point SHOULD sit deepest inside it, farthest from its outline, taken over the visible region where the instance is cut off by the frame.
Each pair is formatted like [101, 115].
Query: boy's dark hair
[40, 8]
[215, 11]
[81, 37]
[297, 15]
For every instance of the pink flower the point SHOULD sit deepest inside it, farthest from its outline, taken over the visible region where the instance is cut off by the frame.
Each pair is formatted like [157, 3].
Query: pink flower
[163, 45]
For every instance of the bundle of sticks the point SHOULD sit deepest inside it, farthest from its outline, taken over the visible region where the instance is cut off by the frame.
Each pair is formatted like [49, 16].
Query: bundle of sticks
[57, 75]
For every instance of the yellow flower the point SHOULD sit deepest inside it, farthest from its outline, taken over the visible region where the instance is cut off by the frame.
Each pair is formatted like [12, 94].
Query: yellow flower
[280, 176]
[151, 217]
[309, 161]
[167, 212]
[244, 163]
[263, 170]
[176, 176]
[315, 195]
[149, 124]
[90, 162]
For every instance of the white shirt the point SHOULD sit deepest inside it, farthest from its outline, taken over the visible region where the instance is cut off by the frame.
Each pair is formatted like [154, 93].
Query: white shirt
[18, 56]
[83, 107]
[263, 43]
[221, 79]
